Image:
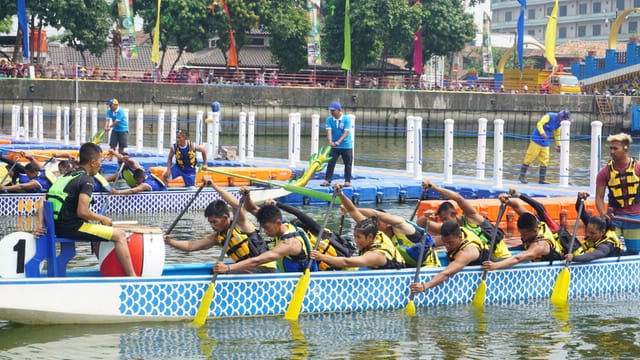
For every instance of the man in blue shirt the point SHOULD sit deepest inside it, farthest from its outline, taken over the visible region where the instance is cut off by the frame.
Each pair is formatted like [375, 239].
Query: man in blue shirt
[340, 139]
[118, 123]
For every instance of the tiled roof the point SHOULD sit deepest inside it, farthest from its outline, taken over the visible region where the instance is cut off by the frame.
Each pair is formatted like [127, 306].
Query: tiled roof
[248, 56]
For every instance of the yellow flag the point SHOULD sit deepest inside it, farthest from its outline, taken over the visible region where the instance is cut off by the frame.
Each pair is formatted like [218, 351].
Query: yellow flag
[155, 49]
[550, 37]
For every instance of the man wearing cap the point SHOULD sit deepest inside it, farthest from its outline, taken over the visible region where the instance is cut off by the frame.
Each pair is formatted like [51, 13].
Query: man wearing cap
[339, 136]
[118, 124]
[540, 141]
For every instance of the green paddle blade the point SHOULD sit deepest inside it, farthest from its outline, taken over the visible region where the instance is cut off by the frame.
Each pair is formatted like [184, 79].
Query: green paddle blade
[97, 138]
[560, 292]
[203, 309]
[481, 293]
[293, 311]
[410, 309]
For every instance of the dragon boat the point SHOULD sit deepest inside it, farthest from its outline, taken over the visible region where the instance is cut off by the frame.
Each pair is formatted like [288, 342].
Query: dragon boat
[174, 292]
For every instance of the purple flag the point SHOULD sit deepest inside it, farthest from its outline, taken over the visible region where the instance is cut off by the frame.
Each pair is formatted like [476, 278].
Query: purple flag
[417, 52]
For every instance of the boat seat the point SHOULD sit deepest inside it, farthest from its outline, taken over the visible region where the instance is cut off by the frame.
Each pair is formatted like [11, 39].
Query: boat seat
[46, 249]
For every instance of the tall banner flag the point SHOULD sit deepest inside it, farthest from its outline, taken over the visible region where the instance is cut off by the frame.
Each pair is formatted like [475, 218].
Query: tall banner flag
[155, 49]
[550, 37]
[487, 52]
[346, 61]
[128, 46]
[232, 59]
[520, 40]
[22, 20]
[314, 55]
[417, 48]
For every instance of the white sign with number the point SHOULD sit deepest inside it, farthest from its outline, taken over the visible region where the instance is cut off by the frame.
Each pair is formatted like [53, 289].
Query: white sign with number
[16, 249]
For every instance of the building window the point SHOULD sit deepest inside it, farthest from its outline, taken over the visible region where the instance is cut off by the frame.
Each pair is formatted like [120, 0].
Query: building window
[531, 14]
[531, 33]
[582, 31]
[582, 9]
[597, 8]
[595, 30]
[633, 26]
[562, 33]
[636, 3]
[549, 9]
[562, 11]
[620, 5]
[508, 16]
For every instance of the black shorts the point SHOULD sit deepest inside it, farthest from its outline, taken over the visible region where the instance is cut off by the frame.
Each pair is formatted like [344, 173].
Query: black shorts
[118, 137]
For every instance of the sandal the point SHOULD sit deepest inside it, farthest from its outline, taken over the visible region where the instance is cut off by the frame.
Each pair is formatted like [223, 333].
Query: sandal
[325, 183]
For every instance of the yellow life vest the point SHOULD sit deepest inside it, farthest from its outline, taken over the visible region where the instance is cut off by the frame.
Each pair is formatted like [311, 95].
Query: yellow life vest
[545, 234]
[610, 236]
[187, 159]
[470, 238]
[383, 244]
[242, 246]
[617, 197]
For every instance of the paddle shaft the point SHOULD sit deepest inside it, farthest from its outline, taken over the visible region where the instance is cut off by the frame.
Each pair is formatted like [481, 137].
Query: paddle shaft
[341, 225]
[193, 198]
[416, 276]
[415, 211]
[494, 235]
[236, 215]
[575, 228]
[289, 187]
[108, 200]
[10, 170]
[625, 219]
[324, 225]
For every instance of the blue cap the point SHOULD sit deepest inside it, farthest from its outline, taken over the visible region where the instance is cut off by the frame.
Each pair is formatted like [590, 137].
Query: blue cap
[215, 106]
[564, 114]
[112, 101]
[335, 106]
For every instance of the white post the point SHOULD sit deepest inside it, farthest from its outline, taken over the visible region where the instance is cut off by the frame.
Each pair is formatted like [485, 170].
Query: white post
[34, 126]
[40, 124]
[411, 146]
[298, 135]
[448, 151]
[139, 129]
[199, 122]
[482, 148]
[242, 138]
[15, 121]
[58, 123]
[498, 152]
[67, 126]
[173, 126]
[83, 124]
[160, 141]
[315, 133]
[596, 153]
[292, 134]
[215, 143]
[251, 135]
[353, 137]
[77, 126]
[94, 121]
[25, 113]
[565, 144]
[208, 125]
[417, 158]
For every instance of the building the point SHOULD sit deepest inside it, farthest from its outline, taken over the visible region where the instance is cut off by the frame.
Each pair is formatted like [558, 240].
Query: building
[584, 20]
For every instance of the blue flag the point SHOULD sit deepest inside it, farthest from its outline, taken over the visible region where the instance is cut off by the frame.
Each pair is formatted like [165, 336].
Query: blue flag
[22, 20]
[520, 40]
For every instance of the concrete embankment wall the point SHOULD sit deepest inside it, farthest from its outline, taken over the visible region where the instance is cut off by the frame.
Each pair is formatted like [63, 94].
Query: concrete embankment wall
[378, 112]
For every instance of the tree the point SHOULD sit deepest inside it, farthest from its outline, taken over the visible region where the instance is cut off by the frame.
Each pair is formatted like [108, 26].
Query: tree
[88, 32]
[289, 27]
[447, 29]
[377, 27]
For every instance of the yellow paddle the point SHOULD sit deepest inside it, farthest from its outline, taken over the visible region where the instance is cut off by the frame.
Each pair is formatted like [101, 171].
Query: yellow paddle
[410, 309]
[560, 292]
[205, 303]
[293, 310]
[481, 291]
[97, 138]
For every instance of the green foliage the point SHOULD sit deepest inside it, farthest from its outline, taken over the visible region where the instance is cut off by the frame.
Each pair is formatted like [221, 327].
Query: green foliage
[88, 32]
[447, 29]
[289, 30]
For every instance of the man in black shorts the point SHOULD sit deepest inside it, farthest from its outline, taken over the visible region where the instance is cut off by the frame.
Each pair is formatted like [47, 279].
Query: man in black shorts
[71, 197]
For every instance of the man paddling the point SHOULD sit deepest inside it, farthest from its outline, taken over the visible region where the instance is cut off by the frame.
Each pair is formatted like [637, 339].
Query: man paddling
[464, 248]
[35, 178]
[244, 243]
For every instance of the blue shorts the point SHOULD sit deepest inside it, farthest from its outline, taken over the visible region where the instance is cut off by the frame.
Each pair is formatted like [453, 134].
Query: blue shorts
[630, 233]
[188, 174]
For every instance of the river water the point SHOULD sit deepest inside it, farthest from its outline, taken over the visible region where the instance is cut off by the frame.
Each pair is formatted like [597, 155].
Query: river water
[607, 326]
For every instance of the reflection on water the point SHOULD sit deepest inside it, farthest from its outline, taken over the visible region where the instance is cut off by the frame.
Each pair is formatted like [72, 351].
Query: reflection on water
[593, 328]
